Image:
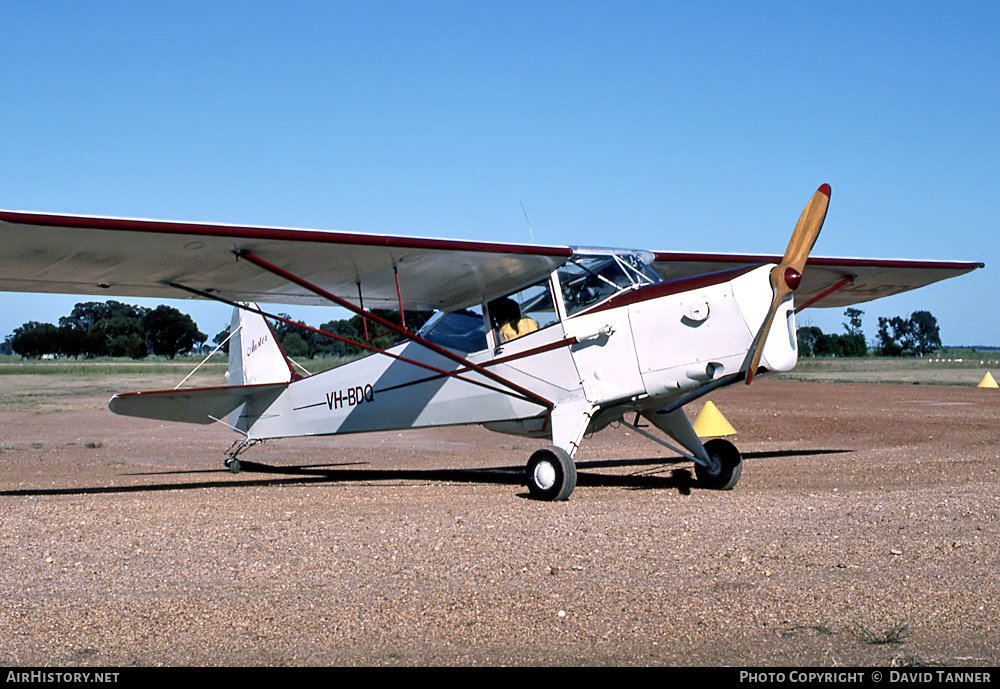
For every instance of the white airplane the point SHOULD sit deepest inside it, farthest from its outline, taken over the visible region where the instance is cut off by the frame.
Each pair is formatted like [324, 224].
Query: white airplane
[540, 341]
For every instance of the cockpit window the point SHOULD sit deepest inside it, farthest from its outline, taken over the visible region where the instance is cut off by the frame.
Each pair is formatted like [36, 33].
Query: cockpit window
[523, 312]
[462, 330]
[587, 280]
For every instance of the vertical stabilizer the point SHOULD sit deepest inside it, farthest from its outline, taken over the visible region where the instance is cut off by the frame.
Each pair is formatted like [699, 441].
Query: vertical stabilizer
[255, 357]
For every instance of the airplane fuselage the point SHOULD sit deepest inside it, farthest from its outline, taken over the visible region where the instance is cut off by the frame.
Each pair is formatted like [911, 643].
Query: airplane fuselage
[637, 350]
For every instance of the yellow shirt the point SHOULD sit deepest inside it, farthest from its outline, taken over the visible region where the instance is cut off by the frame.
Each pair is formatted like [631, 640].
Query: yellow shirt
[524, 326]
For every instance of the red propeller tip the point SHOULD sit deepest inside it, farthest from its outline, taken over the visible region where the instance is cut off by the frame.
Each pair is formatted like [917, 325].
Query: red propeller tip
[825, 188]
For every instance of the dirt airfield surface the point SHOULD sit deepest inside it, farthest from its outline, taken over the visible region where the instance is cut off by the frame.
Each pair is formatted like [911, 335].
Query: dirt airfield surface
[865, 532]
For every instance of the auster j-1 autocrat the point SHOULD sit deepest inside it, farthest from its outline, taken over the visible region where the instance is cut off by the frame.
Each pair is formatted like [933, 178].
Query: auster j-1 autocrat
[541, 341]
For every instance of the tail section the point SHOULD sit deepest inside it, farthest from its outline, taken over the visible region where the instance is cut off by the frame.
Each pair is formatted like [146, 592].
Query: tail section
[255, 357]
[258, 373]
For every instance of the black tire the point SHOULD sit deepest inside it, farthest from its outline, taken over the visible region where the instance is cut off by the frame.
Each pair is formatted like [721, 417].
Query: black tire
[550, 474]
[728, 466]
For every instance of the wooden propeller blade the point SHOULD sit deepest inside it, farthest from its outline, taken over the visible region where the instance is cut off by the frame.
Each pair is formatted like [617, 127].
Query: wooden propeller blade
[786, 275]
[807, 229]
[757, 348]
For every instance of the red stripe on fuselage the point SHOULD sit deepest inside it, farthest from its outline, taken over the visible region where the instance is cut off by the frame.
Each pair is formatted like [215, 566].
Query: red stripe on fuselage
[665, 289]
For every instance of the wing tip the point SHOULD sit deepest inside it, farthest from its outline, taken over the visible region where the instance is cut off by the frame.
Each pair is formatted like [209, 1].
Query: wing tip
[824, 189]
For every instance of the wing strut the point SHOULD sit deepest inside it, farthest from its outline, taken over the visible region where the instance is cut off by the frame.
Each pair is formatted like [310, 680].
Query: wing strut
[399, 295]
[364, 321]
[827, 292]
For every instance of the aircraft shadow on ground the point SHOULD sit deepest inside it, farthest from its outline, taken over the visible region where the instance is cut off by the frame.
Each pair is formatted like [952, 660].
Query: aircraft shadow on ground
[656, 473]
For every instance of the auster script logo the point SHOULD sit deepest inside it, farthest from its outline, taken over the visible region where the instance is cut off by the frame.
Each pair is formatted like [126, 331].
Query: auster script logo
[256, 344]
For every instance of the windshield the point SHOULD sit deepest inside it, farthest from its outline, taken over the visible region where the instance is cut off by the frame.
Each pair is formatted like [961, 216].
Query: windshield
[587, 280]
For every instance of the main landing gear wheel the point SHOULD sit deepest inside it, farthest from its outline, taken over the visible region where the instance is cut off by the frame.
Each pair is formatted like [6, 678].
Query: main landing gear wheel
[551, 474]
[726, 466]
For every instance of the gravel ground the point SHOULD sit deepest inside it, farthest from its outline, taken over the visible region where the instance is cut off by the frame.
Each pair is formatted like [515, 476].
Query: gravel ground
[865, 531]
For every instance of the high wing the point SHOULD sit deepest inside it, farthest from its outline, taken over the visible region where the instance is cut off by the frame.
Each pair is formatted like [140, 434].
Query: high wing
[66, 254]
[142, 258]
[826, 282]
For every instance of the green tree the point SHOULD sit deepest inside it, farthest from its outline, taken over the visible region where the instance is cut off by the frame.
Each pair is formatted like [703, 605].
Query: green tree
[852, 342]
[295, 346]
[103, 329]
[295, 341]
[221, 337]
[75, 341]
[814, 342]
[808, 336]
[853, 325]
[892, 333]
[170, 332]
[33, 340]
[827, 345]
[918, 334]
[328, 346]
[132, 345]
[925, 332]
[353, 329]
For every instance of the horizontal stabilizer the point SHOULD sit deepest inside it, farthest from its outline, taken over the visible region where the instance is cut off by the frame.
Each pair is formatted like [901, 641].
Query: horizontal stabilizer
[195, 405]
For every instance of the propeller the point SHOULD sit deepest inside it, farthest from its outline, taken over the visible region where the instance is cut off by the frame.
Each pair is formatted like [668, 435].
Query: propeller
[785, 276]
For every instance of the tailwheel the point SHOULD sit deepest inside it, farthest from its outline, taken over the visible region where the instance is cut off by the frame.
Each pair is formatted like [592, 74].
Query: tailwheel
[235, 450]
[725, 468]
[551, 474]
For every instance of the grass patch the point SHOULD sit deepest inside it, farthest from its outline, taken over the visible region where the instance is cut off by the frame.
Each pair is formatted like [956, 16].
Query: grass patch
[894, 635]
[932, 370]
[14, 365]
[109, 366]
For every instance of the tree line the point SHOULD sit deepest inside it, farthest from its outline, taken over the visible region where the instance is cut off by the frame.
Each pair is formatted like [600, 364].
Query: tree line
[919, 334]
[113, 329]
[306, 343]
[97, 329]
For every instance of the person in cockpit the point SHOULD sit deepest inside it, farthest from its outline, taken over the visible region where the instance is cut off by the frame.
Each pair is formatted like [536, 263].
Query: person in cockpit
[506, 316]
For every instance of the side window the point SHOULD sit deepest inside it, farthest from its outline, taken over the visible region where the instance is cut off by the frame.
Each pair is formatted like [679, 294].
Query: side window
[462, 330]
[523, 312]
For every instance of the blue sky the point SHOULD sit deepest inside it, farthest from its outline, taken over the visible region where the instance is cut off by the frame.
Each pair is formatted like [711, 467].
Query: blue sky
[649, 125]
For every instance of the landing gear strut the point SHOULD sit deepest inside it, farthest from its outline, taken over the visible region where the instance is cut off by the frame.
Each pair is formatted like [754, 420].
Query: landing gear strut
[235, 450]
[550, 474]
